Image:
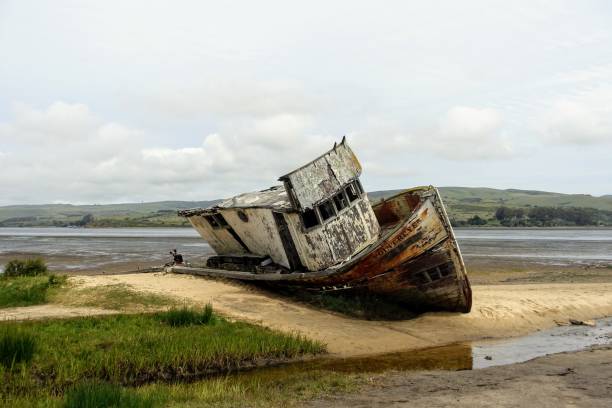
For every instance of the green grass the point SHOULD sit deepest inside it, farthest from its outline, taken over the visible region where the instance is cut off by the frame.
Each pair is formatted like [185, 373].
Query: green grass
[186, 316]
[102, 395]
[27, 267]
[249, 390]
[138, 349]
[16, 346]
[255, 389]
[115, 297]
[28, 290]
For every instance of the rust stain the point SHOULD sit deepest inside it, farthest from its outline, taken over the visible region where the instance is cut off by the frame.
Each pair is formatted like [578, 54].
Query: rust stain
[401, 247]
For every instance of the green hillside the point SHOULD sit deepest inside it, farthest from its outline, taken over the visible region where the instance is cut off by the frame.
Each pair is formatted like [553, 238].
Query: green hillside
[159, 214]
[463, 204]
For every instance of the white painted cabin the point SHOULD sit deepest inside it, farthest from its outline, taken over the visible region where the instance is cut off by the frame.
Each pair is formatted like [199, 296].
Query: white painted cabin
[320, 217]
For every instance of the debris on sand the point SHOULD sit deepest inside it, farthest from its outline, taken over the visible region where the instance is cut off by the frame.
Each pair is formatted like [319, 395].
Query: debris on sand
[590, 323]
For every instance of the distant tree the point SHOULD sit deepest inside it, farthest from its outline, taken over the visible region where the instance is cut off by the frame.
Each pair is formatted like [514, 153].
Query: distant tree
[87, 219]
[501, 213]
[476, 220]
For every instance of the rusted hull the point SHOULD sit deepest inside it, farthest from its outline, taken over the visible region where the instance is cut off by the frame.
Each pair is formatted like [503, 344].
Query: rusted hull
[416, 260]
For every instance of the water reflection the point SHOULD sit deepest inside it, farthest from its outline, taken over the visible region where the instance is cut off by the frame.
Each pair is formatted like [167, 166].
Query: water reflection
[455, 357]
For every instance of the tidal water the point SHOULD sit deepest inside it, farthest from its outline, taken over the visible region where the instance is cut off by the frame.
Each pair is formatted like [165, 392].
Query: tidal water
[86, 248]
[460, 356]
[548, 246]
[82, 248]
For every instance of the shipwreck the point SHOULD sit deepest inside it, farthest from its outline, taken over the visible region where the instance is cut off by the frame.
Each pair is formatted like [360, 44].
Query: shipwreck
[319, 231]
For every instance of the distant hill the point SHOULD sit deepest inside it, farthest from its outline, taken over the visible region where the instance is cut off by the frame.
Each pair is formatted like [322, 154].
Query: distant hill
[160, 213]
[462, 203]
[465, 202]
[487, 197]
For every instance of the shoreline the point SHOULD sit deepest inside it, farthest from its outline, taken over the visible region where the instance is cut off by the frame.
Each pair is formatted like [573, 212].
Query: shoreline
[579, 378]
[500, 311]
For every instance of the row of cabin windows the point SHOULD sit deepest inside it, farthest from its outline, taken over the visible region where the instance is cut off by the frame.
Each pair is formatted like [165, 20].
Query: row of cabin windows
[435, 273]
[311, 217]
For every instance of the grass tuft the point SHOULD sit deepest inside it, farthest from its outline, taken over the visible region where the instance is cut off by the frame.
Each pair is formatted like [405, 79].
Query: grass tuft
[132, 350]
[102, 395]
[28, 267]
[28, 290]
[16, 346]
[186, 316]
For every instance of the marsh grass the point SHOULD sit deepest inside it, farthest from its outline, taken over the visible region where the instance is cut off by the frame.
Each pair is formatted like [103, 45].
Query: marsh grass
[102, 395]
[186, 316]
[138, 349]
[248, 390]
[27, 267]
[254, 390]
[115, 297]
[16, 346]
[28, 290]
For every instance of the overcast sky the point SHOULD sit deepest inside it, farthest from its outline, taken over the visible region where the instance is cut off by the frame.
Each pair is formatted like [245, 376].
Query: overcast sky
[117, 101]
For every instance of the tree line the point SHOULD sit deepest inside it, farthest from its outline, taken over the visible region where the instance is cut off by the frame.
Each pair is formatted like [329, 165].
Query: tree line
[553, 216]
[541, 217]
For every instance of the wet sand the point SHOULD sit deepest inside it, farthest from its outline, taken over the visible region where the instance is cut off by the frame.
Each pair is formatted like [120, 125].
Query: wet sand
[499, 311]
[580, 379]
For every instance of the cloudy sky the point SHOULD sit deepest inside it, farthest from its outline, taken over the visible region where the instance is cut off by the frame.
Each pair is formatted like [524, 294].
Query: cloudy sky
[115, 101]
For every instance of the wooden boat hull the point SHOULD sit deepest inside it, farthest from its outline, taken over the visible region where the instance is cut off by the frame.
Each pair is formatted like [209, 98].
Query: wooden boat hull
[416, 260]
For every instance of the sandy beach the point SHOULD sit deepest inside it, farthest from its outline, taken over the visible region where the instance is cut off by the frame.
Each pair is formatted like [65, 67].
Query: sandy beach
[499, 311]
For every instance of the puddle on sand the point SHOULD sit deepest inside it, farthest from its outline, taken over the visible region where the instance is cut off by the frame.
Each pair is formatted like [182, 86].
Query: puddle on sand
[461, 356]
[557, 340]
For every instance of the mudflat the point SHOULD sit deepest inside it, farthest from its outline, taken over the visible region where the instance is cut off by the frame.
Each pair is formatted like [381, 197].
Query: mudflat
[580, 379]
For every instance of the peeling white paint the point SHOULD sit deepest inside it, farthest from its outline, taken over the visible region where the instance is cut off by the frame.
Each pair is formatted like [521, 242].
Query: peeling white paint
[323, 177]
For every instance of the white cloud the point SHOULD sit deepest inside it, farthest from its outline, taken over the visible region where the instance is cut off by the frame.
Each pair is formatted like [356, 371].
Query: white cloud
[581, 120]
[81, 156]
[593, 73]
[236, 97]
[467, 133]
[67, 122]
[461, 133]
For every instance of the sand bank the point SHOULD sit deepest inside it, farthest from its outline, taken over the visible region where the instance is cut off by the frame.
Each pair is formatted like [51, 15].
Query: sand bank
[499, 311]
[49, 311]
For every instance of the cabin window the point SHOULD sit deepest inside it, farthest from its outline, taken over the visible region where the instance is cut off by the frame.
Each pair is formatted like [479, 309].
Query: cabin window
[220, 220]
[326, 209]
[435, 273]
[340, 201]
[242, 215]
[212, 221]
[352, 192]
[359, 186]
[309, 218]
[446, 269]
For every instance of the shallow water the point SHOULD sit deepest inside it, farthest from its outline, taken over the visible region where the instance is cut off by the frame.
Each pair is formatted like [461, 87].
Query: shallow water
[565, 247]
[83, 248]
[462, 356]
[86, 248]
[557, 340]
